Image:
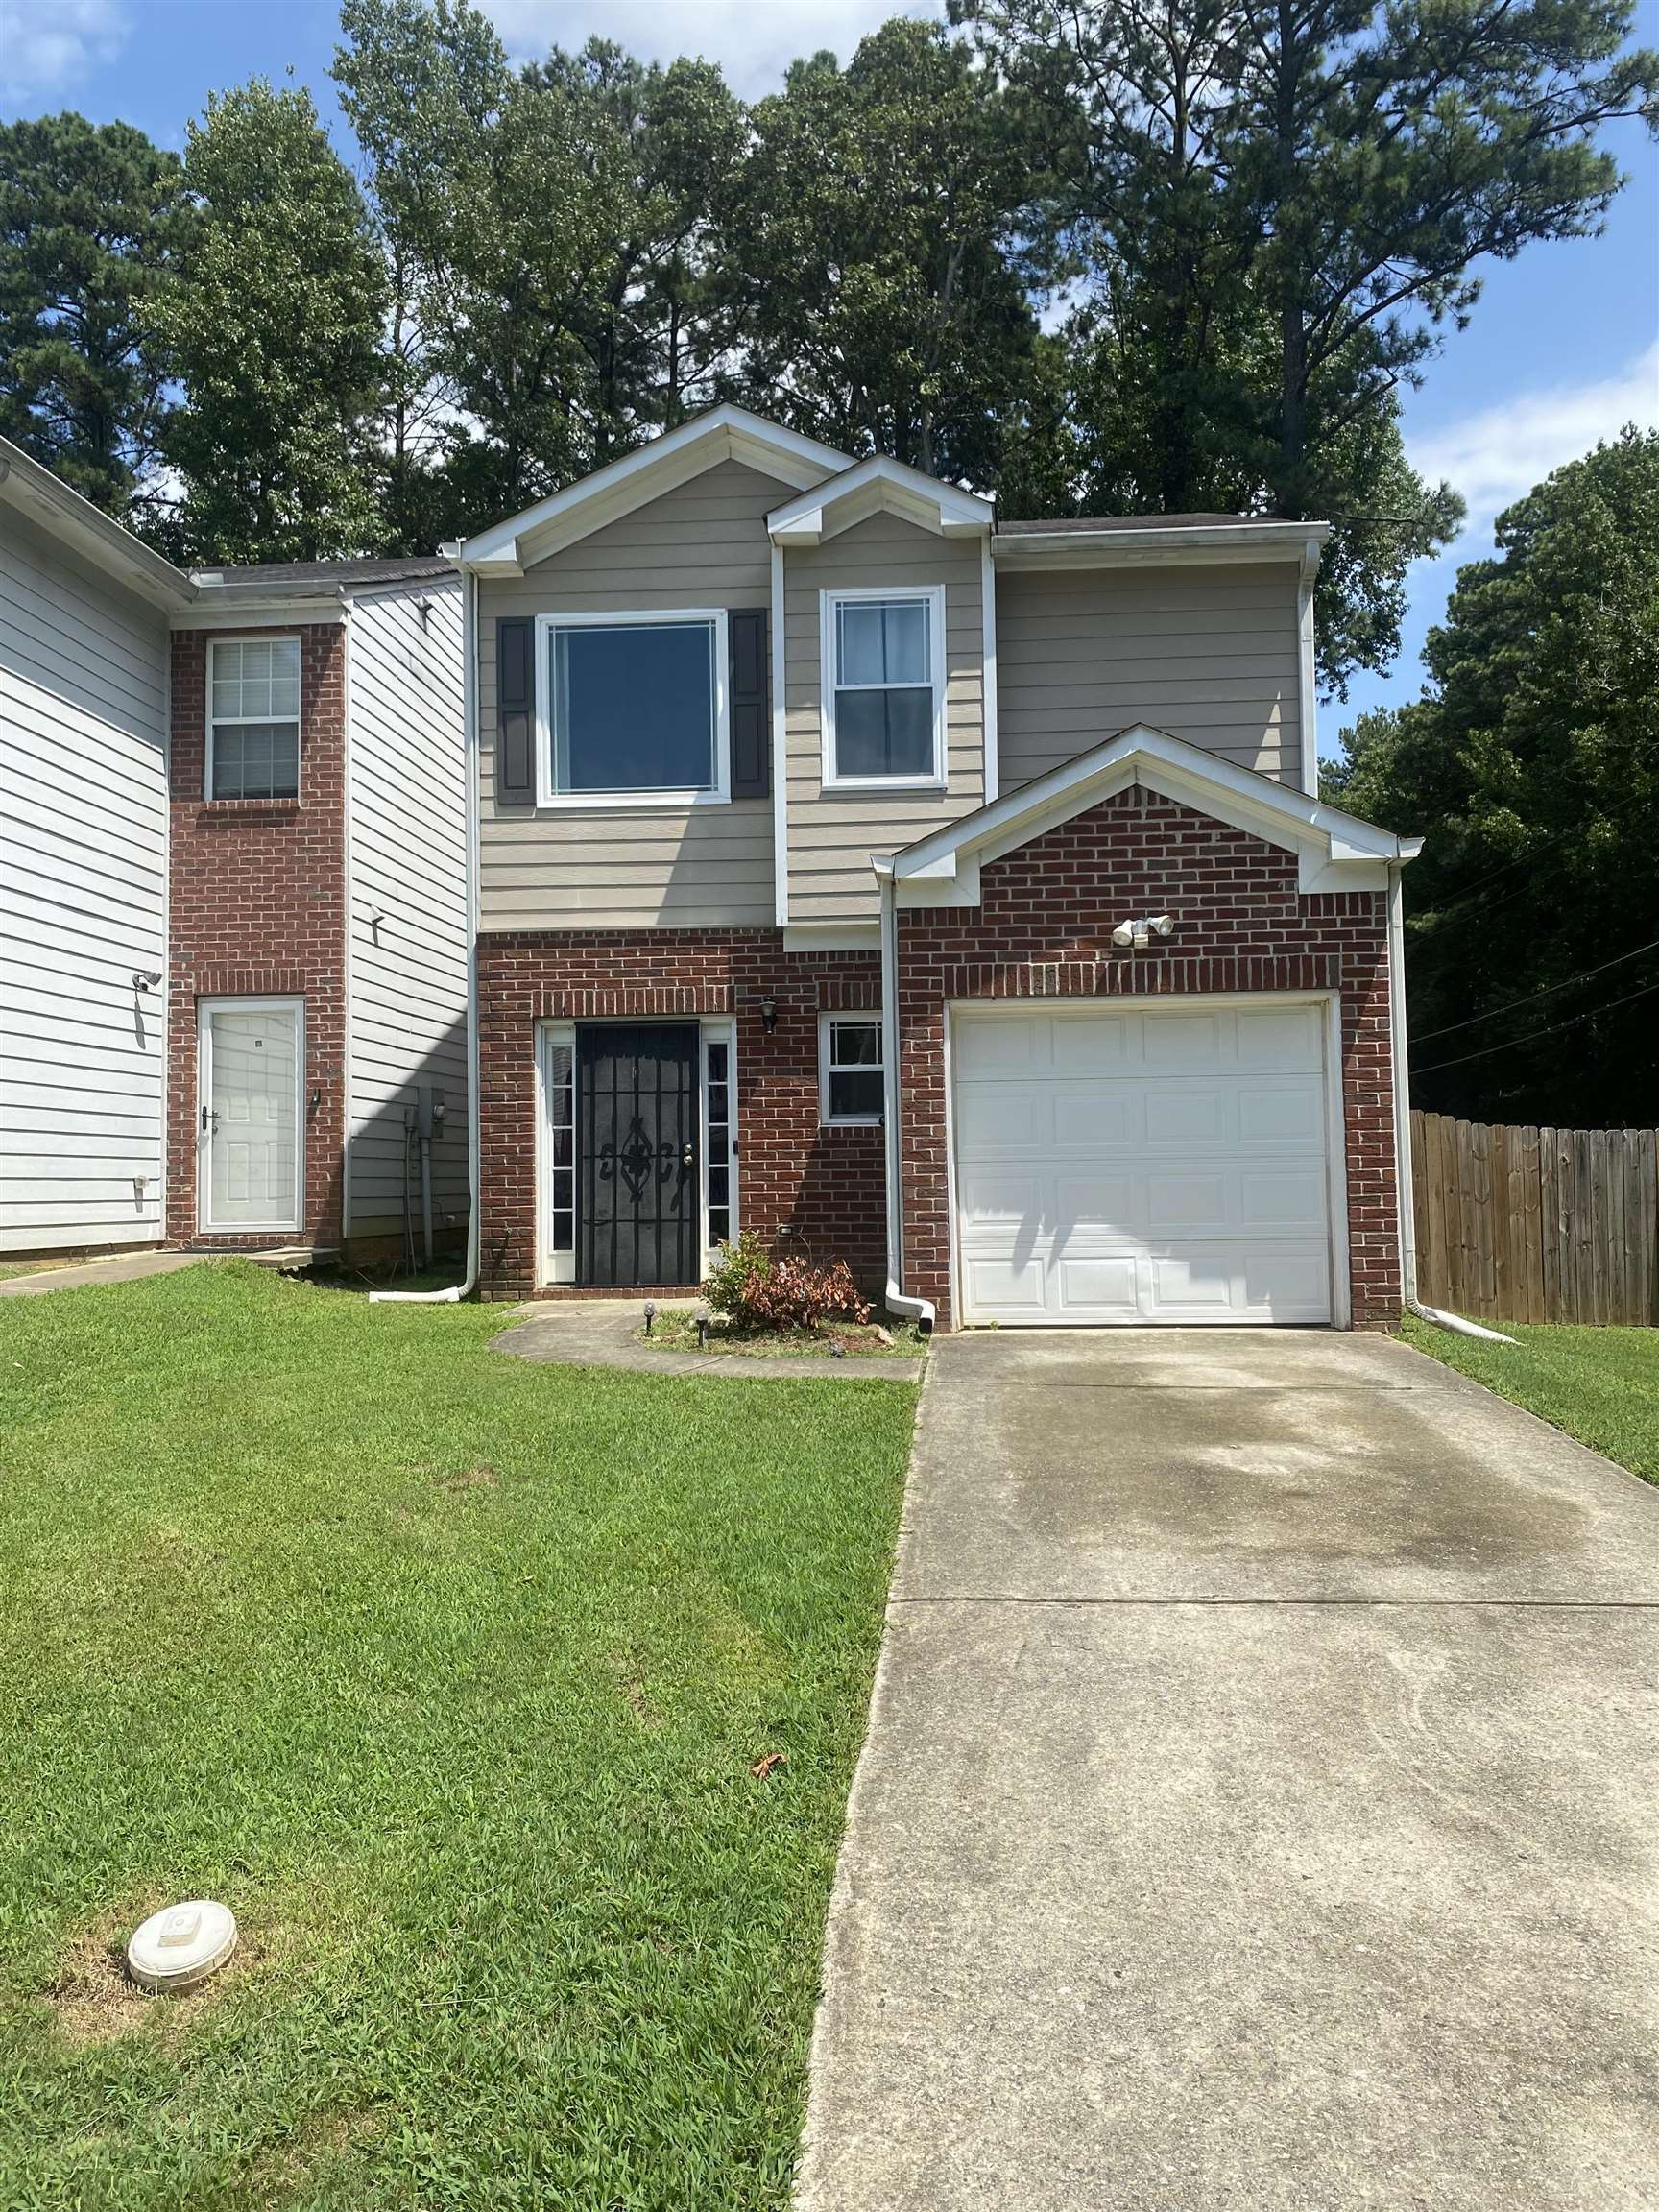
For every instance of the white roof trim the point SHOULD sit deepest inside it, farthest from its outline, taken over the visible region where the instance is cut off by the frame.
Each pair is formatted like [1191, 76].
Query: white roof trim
[1158, 546]
[880, 485]
[96, 537]
[1336, 851]
[726, 433]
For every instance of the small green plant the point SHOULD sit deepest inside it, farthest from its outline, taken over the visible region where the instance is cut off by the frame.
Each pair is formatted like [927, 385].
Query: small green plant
[755, 1291]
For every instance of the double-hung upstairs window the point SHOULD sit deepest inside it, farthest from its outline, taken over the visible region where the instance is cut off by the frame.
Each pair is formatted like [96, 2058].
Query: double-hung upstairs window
[254, 718]
[884, 687]
[634, 708]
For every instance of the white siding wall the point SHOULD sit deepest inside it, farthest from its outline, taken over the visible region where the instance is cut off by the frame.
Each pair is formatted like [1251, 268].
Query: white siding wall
[83, 900]
[407, 827]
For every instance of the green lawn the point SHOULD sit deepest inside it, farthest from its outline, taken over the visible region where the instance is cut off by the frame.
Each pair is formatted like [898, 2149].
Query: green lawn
[448, 1672]
[1599, 1384]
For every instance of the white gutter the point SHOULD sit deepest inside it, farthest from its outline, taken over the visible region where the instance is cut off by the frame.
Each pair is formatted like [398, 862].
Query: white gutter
[921, 1311]
[470, 717]
[1402, 1180]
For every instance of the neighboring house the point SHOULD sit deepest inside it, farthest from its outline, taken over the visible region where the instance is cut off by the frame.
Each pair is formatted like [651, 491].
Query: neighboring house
[944, 897]
[236, 916]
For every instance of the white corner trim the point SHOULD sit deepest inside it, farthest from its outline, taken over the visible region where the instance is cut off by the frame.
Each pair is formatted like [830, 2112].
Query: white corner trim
[987, 671]
[1307, 684]
[717, 794]
[780, 648]
[832, 596]
[347, 1101]
[725, 433]
[924, 499]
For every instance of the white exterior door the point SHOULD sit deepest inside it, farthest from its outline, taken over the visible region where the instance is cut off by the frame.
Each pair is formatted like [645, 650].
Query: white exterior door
[253, 1062]
[1137, 1163]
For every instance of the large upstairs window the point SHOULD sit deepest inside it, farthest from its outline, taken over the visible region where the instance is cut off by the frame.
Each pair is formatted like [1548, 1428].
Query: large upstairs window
[254, 718]
[633, 708]
[885, 689]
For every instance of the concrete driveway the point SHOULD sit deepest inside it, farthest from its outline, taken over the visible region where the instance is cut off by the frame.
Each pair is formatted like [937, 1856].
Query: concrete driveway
[1262, 1803]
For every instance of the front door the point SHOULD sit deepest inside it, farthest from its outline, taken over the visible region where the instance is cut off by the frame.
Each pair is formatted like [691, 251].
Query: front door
[636, 1149]
[252, 1055]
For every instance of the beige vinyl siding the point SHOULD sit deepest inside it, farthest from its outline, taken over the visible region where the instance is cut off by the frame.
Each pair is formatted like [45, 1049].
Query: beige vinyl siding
[407, 816]
[703, 544]
[83, 862]
[1205, 653]
[832, 833]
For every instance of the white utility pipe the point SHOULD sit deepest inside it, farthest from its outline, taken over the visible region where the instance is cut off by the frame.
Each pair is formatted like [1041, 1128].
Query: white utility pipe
[1403, 1182]
[896, 1301]
[470, 712]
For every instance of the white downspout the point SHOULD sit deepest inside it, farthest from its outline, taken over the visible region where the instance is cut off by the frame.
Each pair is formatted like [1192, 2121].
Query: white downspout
[921, 1311]
[470, 718]
[1403, 1182]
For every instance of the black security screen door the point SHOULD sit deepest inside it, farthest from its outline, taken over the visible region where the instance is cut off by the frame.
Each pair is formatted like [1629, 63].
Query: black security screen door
[637, 1144]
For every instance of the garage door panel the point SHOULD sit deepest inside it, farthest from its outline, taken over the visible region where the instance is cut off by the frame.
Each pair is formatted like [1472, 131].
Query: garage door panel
[1097, 1119]
[1155, 1165]
[1281, 1038]
[1103, 1046]
[1283, 1204]
[1281, 1114]
[1100, 1288]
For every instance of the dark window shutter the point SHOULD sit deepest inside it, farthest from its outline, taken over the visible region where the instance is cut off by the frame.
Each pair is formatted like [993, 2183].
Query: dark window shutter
[516, 710]
[747, 704]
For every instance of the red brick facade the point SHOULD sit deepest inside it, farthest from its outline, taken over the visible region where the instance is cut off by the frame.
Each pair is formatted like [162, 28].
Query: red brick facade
[1042, 929]
[821, 1188]
[257, 896]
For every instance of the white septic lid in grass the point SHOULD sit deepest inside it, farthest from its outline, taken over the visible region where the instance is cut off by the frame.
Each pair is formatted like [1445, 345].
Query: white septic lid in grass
[181, 1946]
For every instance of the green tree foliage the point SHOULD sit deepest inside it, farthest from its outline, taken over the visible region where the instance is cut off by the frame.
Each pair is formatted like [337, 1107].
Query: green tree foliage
[85, 214]
[873, 248]
[558, 225]
[1532, 763]
[271, 316]
[1273, 210]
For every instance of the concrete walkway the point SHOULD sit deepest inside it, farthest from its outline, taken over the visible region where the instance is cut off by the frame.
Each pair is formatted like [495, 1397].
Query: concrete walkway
[121, 1267]
[1261, 1803]
[601, 1333]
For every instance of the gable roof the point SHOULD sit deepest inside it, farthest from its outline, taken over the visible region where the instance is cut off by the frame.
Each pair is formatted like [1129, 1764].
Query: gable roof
[874, 486]
[1335, 851]
[726, 433]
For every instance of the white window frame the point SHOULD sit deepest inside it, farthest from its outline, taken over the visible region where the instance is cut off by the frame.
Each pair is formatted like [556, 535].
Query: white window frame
[553, 1268]
[720, 1031]
[258, 1004]
[233, 721]
[717, 794]
[932, 596]
[825, 1069]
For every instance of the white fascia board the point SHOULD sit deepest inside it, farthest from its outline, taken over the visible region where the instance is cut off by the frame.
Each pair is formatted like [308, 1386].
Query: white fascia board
[876, 483]
[1160, 546]
[832, 937]
[260, 612]
[1185, 773]
[87, 531]
[724, 433]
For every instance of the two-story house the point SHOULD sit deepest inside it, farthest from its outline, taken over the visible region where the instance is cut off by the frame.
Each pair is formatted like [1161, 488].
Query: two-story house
[948, 897]
[234, 930]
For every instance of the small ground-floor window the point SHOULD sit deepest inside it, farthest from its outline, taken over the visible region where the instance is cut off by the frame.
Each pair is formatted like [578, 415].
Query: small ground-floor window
[850, 1069]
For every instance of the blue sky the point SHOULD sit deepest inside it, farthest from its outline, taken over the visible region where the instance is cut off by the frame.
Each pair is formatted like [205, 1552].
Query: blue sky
[1563, 346]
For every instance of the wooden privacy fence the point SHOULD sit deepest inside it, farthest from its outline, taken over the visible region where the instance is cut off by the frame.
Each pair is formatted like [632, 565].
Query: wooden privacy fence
[1520, 1225]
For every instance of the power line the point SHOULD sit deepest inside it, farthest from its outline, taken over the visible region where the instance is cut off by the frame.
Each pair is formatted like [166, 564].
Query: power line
[1548, 1030]
[1493, 1012]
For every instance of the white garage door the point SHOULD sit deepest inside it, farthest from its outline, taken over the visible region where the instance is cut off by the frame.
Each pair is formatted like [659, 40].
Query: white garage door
[1142, 1164]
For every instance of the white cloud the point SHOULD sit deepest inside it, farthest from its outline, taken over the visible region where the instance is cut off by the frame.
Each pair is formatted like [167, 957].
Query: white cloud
[753, 40]
[45, 46]
[1497, 455]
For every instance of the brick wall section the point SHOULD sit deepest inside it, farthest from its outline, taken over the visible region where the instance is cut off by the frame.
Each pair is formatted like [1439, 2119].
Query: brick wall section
[1042, 929]
[258, 905]
[797, 1182]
